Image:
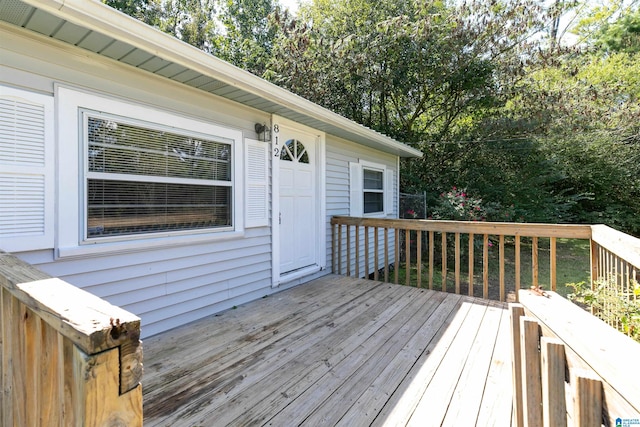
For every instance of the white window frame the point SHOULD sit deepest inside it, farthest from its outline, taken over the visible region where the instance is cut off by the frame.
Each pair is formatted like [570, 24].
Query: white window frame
[72, 174]
[357, 190]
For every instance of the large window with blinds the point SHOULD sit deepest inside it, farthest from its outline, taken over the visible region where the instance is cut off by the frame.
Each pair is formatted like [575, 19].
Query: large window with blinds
[143, 178]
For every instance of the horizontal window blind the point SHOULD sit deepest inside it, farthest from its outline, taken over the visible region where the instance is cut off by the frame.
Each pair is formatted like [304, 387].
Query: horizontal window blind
[143, 179]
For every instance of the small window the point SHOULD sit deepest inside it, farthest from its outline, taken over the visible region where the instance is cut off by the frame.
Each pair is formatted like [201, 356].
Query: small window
[373, 187]
[142, 178]
[294, 151]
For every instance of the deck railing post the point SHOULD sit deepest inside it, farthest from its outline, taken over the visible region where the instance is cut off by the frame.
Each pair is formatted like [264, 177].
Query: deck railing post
[531, 371]
[588, 399]
[67, 357]
[554, 406]
[516, 312]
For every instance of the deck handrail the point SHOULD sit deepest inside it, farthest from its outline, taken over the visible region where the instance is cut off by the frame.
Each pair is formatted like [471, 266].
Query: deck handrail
[569, 365]
[413, 229]
[67, 356]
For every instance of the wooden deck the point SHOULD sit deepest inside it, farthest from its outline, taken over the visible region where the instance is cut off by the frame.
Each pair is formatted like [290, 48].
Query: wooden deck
[336, 351]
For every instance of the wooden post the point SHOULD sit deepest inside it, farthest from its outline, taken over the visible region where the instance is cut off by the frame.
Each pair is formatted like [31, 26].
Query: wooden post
[334, 269]
[396, 241]
[517, 267]
[531, 379]
[534, 262]
[444, 261]
[471, 261]
[554, 407]
[588, 399]
[376, 255]
[386, 254]
[340, 249]
[553, 262]
[502, 291]
[357, 261]
[431, 250]
[516, 311]
[349, 250]
[366, 252]
[457, 262]
[485, 268]
[67, 357]
[407, 255]
[419, 258]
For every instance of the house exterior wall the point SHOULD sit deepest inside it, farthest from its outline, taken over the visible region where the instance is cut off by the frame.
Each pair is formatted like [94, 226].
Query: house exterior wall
[340, 153]
[169, 284]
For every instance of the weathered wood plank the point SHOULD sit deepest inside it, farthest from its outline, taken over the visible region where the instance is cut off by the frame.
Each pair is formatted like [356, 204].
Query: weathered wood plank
[304, 338]
[466, 400]
[434, 402]
[370, 357]
[588, 400]
[369, 404]
[554, 408]
[531, 377]
[597, 344]
[239, 331]
[497, 407]
[516, 312]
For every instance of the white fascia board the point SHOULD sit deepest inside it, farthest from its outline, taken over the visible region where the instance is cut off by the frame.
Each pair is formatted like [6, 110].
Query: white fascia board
[96, 16]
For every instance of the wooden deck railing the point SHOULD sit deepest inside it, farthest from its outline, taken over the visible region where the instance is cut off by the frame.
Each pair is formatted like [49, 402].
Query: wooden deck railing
[68, 358]
[451, 249]
[615, 272]
[570, 368]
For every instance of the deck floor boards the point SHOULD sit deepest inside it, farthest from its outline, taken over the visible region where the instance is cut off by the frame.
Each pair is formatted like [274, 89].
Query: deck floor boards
[336, 351]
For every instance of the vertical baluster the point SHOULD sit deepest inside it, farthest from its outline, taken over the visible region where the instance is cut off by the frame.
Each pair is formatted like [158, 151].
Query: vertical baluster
[357, 262]
[457, 262]
[376, 254]
[407, 250]
[502, 291]
[552, 261]
[340, 249]
[534, 261]
[396, 270]
[444, 261]
[431, 250]
[517, 266]
[485, 268]
[366, 252]
[471, 262]
[419, 257]
[386, 254]
[348, 250]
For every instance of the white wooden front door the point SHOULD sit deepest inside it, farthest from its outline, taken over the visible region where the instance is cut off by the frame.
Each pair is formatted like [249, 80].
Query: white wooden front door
[298, 214]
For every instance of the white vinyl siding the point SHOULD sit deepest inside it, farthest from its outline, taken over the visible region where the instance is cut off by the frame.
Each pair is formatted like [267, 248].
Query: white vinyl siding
[26, 170]
[345, 162]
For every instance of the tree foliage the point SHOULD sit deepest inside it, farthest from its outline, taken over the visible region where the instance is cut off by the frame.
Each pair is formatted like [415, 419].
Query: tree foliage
[485, 88]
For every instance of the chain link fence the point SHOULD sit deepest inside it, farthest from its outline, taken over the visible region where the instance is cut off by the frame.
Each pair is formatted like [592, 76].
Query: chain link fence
[413, 206]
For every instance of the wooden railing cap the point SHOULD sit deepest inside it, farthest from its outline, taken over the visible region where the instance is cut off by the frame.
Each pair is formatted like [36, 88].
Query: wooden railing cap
[90, 322]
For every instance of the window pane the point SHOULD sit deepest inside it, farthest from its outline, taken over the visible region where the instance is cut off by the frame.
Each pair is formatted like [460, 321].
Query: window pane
[373, 202]
[124, 207]
[372, 179]
[127, 149]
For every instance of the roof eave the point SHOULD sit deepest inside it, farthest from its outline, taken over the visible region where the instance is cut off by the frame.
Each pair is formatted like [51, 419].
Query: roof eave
[96, 16]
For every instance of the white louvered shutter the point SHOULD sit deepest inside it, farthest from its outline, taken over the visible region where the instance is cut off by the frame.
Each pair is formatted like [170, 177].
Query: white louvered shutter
[26, 170]
[356, 196]
[389, 192]
[257, 183]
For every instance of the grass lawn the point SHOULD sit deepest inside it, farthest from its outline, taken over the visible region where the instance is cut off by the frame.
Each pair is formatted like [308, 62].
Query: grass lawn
[573, 265]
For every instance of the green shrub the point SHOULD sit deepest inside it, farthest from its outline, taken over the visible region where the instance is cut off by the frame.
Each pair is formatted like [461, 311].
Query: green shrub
[620, 309]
